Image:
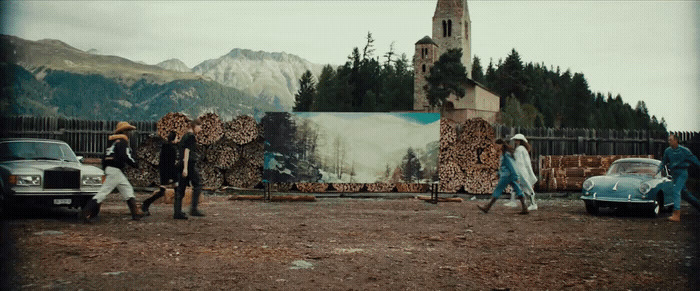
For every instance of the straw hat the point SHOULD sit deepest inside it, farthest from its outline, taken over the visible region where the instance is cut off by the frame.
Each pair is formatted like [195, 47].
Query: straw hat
[123, 126]
[519, 137]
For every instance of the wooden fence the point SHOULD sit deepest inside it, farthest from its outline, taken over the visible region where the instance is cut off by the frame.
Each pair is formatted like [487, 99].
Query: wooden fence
[89, 137]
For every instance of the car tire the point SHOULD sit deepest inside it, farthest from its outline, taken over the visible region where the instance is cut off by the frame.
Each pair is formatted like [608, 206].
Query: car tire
[592, 207]
[657, 207]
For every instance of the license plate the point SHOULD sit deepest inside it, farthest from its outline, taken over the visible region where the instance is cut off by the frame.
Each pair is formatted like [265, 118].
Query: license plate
[61, 201]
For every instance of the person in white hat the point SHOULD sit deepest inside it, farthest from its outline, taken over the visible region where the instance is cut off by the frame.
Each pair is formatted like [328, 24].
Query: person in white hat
[523, 166]
[116, 157]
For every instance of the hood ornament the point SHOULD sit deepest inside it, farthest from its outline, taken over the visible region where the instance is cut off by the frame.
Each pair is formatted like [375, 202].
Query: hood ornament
[615, 187]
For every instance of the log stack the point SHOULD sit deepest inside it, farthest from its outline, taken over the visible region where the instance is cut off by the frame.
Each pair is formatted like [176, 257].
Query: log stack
[468, 160]
[348, 187]
[173, 121]
[230, 153]
[212, 129]
[567, 173]
[243, 130]
[381, 187]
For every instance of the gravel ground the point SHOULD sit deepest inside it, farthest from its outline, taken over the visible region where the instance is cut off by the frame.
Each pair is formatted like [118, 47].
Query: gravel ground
[351, 244]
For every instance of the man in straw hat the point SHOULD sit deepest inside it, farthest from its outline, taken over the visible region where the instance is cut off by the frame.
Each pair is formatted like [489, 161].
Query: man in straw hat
[116, 157]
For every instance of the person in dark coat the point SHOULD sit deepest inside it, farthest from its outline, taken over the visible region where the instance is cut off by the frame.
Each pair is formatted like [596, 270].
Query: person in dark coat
[117, 156]
[166, 168]
[189, 174]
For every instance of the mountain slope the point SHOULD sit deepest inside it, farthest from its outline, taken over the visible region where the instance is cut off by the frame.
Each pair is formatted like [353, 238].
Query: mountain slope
[262, 74]
[38, 56]
[174, 65]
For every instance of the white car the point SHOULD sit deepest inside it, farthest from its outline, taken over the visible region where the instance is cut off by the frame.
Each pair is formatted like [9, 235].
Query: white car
[42, 172]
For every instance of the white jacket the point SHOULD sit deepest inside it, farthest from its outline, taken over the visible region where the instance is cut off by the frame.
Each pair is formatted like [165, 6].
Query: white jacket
[524, 167]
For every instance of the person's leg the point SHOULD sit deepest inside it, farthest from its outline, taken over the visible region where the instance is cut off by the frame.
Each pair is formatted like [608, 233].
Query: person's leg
[127, 192]
[196, 191]
[685, 194]
[91, 209]
[179, 194]
[502, 183]
[679, 178]
[147, 203]
[519, 193]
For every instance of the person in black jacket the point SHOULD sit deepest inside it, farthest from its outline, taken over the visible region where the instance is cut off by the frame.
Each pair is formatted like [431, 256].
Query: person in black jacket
[116, 157]
[188, 159]
[166, 168]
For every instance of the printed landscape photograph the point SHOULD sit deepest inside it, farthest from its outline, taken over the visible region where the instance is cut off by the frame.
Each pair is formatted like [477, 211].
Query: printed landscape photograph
[351, 147]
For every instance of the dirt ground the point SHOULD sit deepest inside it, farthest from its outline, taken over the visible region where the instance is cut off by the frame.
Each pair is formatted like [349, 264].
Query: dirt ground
[352, 244]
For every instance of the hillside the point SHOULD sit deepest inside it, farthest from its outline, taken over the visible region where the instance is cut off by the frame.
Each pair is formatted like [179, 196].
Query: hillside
[259, 73]
[49, 77]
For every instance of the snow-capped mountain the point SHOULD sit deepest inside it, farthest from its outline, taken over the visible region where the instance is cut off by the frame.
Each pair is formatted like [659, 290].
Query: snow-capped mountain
[259, 73]
[174, 65]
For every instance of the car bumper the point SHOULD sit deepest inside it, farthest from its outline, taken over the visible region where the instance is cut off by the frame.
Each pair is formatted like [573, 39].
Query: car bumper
[58, 198]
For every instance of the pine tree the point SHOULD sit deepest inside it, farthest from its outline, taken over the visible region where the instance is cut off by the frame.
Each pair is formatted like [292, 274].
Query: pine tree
[447, 76]
[411, 167]
[306, 93]
[477, 70]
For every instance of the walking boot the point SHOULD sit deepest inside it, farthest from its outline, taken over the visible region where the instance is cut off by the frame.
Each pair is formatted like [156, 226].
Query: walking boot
[524, 209]
[147, 203]
[676, 216]
[195, 202]
[136, 214]
[486, 208]
[177, 207]
[90, 210]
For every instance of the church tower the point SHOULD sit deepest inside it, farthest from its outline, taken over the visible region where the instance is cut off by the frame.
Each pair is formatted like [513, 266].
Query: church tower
[452, 29]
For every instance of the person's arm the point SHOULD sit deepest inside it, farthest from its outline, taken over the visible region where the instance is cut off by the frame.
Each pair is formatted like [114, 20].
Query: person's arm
[664, 161]
[508, 161]
[692, 158]
[185, 162]
[124, 153]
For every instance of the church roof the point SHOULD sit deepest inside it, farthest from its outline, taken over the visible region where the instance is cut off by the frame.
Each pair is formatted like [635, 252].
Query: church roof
[426, 40]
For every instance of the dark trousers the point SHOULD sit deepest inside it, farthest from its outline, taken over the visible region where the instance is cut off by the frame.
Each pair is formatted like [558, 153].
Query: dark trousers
[194, 178]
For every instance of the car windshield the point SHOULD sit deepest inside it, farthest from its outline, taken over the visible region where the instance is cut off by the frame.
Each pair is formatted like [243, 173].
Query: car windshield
[32, 150]
[632, 168]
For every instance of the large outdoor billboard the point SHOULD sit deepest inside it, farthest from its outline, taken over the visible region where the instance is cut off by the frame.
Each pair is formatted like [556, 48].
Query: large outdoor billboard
[351, 147]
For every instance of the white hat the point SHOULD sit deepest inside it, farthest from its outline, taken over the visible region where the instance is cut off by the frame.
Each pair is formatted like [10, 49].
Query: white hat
[519, 137]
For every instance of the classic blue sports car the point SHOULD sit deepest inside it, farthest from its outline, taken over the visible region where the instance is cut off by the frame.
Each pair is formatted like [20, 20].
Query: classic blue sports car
[630, 183]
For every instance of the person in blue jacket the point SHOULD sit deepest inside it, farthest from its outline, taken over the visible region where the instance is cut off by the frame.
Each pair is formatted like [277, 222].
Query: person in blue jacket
[678, 158]
[506, 176]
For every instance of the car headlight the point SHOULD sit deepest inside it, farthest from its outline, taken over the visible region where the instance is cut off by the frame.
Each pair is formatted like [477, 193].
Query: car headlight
[644, 188]
[25, 180]
[588, 185]
[93, 180]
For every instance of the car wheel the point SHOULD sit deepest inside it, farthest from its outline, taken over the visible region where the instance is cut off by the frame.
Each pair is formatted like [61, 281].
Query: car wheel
[592, 207]
[656, 208]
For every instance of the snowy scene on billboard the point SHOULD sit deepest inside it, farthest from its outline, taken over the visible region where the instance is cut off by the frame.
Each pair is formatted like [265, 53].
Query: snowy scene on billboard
[334, 147]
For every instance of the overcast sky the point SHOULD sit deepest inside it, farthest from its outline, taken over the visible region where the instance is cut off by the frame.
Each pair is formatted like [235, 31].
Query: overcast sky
[643, 50]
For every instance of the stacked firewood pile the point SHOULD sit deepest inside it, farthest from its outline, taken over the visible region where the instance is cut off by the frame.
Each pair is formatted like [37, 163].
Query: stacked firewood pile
[468, 160]
[230, 153]
[567, 173]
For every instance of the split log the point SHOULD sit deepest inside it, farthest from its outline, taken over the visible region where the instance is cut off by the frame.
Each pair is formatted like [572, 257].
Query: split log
[380, 187]
[306, 198]
[144, 176]
[223, 154]
[212, 129]
[441, 199]
[282, 187]
[253, 154]
[312, 187]
[243, 176]
[212, 178]
[242, 130]
[173, 121]
[411, 188]
[348, 187]
[149, 150]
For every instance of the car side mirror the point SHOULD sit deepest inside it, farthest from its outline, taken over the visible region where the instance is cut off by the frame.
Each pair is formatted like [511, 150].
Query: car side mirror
[80, 159]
